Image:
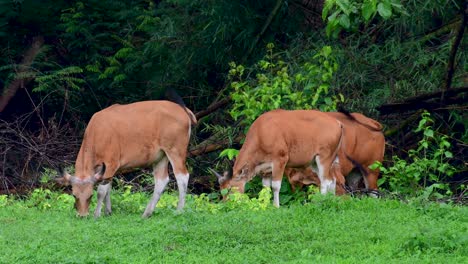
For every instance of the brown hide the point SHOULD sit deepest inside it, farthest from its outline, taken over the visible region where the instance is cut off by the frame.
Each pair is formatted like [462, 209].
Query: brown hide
[280, 138]
[128, 136]
[363, 142]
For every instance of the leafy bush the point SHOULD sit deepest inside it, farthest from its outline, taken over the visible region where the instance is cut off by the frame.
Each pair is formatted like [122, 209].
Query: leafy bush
[348, 15]
[427, 166]
[279, 85]
[3, 200]
[45, 199]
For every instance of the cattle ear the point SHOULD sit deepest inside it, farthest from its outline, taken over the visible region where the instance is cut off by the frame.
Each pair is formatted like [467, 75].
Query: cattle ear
[100, 170]
[64, 179]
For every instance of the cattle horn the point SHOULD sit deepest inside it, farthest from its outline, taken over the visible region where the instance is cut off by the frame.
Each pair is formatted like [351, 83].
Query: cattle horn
[64, 178]
[219, 176]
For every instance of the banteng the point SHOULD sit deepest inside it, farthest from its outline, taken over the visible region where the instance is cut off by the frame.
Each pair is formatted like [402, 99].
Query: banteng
[130, 136]
[280, 139]
[363, 144]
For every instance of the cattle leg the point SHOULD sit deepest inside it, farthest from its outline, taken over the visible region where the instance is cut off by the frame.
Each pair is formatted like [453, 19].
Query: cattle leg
[103, 192]
[161, 178]
[108, 208]
[181, 174]
[277, 175]
[327, 181]
[371, 181]
[266, 181]
[353, 179]
[335, 171]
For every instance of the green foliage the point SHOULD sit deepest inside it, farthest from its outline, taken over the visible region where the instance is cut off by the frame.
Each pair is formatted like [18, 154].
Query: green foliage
[383, 231]
[278, 85]
[391, 60]
[45, 199]
[125, 200]
[427, 166]
[229, 153]
[350, 14]
[3, 200]
[59, 79]
[428, 241]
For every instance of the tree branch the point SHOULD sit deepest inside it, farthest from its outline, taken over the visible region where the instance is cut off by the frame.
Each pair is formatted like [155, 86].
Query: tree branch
[453, 52]
[10, 91]
[272, 15]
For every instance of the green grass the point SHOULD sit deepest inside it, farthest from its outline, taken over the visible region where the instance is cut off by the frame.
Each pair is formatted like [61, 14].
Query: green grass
[327, 230]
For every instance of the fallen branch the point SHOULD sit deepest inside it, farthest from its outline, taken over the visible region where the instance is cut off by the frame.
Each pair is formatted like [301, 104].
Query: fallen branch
[392, 131]
[211, 145]
[213, 107]
[426, 101]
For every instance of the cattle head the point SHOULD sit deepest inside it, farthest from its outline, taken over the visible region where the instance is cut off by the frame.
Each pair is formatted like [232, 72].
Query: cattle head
[228, 181]
[82, 189]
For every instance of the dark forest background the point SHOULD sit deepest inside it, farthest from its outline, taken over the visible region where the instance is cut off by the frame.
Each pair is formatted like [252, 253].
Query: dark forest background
[61, 61]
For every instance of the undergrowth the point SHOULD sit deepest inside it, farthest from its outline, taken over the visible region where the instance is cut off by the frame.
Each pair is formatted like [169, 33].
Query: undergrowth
[324, 229]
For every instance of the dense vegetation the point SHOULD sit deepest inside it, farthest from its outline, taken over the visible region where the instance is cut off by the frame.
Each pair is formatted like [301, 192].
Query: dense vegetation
[61, 61]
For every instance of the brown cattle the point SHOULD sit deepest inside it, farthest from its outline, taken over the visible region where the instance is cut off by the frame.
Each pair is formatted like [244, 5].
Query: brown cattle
[280, 139]
[363, 143]
[128, 136]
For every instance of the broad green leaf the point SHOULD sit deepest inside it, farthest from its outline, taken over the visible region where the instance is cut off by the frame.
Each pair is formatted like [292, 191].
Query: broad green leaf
[344, 21]
[381, 181]
[429, 133]
[368, 9]
[344, 6]
[375, 165]
[385, 10]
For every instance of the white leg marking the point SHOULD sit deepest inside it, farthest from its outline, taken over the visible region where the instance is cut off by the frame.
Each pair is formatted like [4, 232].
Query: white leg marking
[326, 185]
[159, 186]
[190, 128]
[266, 181]
[108, 208]
[313, 166]
[102, 192]
[329, 186]
[276, 186]
[182, 182]
[336, 160]
[323, 187]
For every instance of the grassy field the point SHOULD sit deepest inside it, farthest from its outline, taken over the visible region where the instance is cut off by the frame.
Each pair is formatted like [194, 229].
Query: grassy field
[326, 230]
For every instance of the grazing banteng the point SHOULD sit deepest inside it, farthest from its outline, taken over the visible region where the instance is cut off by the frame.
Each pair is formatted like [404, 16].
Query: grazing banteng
[363, 144]
[280, 139]
[130, 136]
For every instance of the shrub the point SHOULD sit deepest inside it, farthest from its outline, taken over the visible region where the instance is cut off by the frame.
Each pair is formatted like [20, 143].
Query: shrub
[427, 166]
